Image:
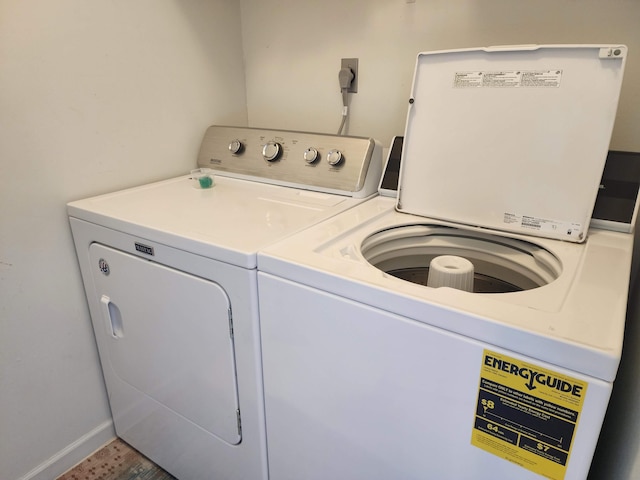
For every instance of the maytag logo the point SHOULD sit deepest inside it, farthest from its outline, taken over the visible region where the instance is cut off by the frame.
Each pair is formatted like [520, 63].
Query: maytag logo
[147, 250]
[215, 161]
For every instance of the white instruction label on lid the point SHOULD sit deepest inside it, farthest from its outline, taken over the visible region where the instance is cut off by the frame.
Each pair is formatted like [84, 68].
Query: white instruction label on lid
[508, 79]
[543, 225]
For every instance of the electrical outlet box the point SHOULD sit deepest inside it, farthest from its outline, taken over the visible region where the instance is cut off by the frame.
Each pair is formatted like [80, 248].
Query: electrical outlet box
[351, 63]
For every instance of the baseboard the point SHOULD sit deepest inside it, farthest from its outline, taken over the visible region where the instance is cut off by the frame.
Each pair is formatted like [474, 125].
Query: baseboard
[73, 454]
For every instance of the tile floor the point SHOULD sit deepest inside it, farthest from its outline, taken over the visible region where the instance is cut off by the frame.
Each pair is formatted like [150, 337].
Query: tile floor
[116, 461]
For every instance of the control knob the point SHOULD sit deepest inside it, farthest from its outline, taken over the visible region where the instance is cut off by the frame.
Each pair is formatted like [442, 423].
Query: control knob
[310, 155]
[335, 157]
[236, 147]
[271, 151]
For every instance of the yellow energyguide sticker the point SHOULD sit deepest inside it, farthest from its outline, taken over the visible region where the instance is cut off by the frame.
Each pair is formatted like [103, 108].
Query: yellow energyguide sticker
[527, 414]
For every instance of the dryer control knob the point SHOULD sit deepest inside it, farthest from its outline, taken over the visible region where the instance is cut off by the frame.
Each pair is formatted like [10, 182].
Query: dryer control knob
[236, 147]
[271, 151]
[335, 157]
[310, 155]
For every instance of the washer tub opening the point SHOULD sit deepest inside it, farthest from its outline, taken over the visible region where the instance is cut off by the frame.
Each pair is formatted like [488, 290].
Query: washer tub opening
[501, 264]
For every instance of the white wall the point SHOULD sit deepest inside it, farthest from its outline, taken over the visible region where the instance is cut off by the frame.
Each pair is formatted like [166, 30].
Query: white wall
[293, 51]
[94, 96]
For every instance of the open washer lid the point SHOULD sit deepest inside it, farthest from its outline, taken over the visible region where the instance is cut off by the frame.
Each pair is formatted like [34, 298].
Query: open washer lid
[511, 138]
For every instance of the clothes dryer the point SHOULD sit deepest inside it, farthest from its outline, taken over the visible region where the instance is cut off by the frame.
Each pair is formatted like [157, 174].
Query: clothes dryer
[170, 276]
[502, 365]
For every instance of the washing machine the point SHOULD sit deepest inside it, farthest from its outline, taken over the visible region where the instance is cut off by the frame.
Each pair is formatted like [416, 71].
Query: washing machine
[471, 327]
[169, 271]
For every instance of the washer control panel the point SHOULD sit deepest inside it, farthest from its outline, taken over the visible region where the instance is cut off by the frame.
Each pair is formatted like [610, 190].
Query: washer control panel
[338, 164]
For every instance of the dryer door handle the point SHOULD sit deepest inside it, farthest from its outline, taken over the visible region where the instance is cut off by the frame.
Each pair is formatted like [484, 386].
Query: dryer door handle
[112, 317]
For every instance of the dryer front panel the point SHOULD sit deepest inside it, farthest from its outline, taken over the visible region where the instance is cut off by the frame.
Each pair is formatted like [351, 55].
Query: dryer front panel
[169, 335]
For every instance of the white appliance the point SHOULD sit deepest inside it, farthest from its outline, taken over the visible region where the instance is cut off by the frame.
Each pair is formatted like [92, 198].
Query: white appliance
[371, 374]
[170, 275]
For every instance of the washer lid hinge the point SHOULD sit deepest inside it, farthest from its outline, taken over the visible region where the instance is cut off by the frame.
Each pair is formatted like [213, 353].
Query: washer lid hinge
[239, 423]
[230, 323]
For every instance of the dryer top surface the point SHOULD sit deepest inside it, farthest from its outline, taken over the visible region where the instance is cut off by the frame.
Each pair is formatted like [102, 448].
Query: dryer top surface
[229, 222]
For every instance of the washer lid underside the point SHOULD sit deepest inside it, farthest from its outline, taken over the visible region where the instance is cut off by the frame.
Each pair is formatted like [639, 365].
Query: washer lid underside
[501, 264]
[511, 139]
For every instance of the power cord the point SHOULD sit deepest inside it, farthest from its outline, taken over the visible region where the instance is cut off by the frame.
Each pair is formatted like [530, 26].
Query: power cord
[345, 77]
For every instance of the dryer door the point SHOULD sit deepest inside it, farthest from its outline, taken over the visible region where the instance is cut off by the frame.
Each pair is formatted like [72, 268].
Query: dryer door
[168, 334]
